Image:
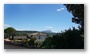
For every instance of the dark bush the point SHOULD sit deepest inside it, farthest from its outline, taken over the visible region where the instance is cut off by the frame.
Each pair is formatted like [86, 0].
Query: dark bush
[70, 39]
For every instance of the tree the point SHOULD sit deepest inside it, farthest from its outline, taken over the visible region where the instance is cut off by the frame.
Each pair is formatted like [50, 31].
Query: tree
[10, 31]
[32, 41]
[47, 43]
[70, 39]
[73, 39]
[77, 11]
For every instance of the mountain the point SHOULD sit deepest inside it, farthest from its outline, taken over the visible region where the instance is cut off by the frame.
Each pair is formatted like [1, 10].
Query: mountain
[47, 31]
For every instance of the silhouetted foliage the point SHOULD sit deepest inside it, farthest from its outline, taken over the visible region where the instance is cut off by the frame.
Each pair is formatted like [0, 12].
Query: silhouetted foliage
[77, 11]
[70, 39]
[47, 43]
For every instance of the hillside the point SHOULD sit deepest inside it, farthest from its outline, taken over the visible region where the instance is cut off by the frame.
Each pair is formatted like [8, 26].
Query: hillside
[25, 32]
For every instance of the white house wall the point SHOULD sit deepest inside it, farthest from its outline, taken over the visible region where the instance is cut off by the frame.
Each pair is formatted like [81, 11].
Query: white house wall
[41, 37]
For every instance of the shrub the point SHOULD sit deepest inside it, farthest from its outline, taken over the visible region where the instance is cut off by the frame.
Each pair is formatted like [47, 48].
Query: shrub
[70, 39]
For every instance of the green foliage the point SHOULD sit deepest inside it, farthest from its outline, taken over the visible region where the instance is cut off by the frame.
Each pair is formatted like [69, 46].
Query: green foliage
[73, 39]
[32, 41]
[38, 43]
[6, 36]
[47, 43]
[10, 31]
[70, 39]
[77, 11]
[25, 32]
[20, 34]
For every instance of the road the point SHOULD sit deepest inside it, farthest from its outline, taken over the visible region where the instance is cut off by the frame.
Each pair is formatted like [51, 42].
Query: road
[9, 46]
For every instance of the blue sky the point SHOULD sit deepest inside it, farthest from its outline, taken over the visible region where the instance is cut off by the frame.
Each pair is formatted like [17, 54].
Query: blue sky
[37, 17]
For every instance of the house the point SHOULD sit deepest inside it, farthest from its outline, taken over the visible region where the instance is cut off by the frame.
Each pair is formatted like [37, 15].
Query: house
[39, 36]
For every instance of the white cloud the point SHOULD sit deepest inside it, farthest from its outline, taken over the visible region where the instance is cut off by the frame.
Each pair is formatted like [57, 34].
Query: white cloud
[6, 25]
[49, 27]
[60, 9]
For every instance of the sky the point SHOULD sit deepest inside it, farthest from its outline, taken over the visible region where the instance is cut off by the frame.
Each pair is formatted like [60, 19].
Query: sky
[38, 17]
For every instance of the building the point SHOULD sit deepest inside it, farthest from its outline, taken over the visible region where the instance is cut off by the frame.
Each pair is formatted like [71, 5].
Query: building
[39, 36]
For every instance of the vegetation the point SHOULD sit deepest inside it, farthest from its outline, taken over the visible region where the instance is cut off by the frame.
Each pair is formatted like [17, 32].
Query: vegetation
[10, 31]
[47, 44]
[77, 11]
[70, 39]
[25, 32]
[31, 42]
[20, 34]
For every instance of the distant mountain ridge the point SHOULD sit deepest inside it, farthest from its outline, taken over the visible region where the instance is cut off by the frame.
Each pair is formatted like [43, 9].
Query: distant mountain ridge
[27, 31]
[47, 31]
